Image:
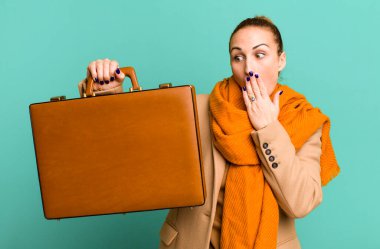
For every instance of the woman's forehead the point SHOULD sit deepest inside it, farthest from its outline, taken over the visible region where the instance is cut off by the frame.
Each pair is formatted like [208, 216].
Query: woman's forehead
[249, 37]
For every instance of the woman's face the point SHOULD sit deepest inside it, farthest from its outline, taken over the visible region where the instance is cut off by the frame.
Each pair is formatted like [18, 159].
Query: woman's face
[254, 49]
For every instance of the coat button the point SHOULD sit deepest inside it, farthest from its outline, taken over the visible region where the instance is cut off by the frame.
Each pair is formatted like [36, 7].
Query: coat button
[268, 151]
[271, 158]
[265, 145]
[274, 165]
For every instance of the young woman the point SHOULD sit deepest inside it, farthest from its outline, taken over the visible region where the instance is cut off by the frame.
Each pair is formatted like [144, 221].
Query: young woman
[267, 150]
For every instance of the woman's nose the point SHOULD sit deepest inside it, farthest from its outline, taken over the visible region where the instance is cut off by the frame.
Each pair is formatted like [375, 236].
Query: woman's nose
[249, 69]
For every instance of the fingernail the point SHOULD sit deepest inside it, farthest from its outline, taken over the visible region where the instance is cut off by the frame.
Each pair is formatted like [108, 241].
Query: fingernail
[101, 82]
[112, 78]
[244, 88]
[107, 81]
[96, 80]
[281, 92]
[256, 75]
[248, 79]
[118, 71]
[251, 73]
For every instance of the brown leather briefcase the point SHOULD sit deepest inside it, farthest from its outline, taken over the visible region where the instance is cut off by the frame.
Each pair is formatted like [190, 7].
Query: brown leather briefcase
[119, 153]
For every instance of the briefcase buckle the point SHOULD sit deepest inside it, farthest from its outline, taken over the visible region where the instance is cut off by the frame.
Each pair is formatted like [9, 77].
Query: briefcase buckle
[135, 90]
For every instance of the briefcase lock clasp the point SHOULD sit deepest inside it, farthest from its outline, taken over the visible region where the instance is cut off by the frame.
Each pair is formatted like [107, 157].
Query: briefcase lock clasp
[57, 98]
[165, 85]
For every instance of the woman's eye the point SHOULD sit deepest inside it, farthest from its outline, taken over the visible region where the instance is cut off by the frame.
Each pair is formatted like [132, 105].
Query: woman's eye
[238, 58]
[260, 55]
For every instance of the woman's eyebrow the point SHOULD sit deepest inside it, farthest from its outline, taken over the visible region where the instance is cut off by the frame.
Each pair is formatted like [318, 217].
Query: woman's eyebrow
[252, 48]
[260, 45]
[235, 48]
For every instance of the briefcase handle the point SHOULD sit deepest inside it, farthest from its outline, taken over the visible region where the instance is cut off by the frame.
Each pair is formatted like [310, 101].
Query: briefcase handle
[128, 71]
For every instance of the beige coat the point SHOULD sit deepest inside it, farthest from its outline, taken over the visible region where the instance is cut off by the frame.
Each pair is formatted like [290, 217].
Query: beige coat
[295, 182]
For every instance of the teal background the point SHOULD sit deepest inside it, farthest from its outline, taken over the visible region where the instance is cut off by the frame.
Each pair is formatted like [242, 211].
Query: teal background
[332, 57]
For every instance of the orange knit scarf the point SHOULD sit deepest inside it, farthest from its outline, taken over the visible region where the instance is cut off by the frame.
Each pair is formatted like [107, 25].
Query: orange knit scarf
[250, 210]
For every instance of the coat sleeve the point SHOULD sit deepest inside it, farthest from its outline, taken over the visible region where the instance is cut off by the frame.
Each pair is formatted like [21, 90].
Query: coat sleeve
[294, 176]
[82, 89]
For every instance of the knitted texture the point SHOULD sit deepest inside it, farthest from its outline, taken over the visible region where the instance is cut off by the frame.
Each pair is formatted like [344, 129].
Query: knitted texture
[250, 210]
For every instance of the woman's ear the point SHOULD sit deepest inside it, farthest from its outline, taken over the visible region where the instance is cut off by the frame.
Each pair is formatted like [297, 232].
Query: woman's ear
[282, 61]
